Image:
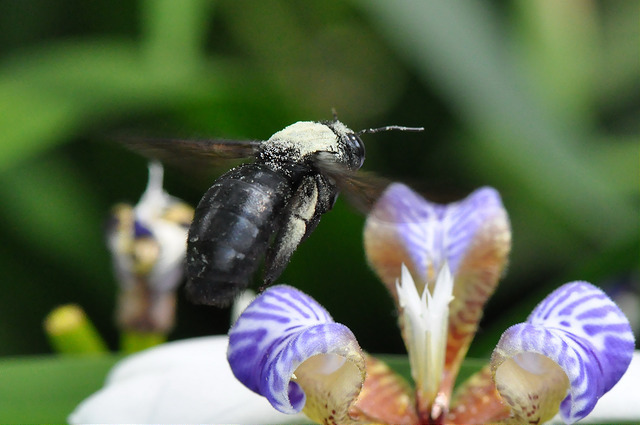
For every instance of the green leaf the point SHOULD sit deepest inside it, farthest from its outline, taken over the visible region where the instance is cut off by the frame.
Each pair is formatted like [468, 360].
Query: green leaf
[50, 94]
[47, 389]
[461, 50]
[174, 32]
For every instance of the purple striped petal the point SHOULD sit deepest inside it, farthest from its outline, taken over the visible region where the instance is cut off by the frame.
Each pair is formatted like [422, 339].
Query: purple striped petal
[287, 348]
[428, 234]
[586, 337]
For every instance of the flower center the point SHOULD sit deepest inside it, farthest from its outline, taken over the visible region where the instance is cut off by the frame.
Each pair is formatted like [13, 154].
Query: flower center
[425, 320]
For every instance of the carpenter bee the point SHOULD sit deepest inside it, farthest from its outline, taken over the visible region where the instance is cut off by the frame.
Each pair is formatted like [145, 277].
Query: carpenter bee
[265, 208]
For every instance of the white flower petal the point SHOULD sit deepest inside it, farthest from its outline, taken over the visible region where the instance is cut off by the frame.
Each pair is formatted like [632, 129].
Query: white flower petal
[185, 381]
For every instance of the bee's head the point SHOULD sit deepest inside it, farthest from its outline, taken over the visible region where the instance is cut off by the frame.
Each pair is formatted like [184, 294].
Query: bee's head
[303, 140]
[349, 142]
[352, 144]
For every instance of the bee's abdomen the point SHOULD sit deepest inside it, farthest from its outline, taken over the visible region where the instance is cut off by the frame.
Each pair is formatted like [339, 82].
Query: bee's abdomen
[231, 229]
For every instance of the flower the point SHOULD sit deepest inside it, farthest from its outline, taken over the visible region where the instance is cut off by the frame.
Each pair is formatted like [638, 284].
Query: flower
[148, 244]
[278, 332]
[472, 236]
[303, 361]
[178, 382]
[573, 348]
[289, 356]
[190, 381]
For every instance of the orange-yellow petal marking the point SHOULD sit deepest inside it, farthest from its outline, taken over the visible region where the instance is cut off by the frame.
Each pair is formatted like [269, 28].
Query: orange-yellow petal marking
[385, 397]
[477, 401]
[475, 281]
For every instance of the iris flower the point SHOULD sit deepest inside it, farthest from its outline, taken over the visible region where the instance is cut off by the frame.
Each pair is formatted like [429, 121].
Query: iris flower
[440, 263]
[148, 244]
[286, 356]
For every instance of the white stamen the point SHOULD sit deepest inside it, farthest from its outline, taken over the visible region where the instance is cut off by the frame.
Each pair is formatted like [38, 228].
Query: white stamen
[426, 321]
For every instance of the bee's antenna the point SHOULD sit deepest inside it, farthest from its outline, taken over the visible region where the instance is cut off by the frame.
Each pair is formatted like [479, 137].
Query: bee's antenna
[389, 128]
[335, 114]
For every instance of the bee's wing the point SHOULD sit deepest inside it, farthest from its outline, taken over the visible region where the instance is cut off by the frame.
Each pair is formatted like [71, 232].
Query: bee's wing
[192, 152]
[362, 189]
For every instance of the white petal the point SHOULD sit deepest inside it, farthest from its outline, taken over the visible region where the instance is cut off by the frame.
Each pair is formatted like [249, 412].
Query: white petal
[185, 381]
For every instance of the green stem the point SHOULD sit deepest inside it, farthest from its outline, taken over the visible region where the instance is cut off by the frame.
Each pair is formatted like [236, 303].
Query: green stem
[132, 341]
[71, 332]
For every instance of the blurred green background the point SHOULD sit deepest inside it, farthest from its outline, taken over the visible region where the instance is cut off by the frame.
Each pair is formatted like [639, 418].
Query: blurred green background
[539, 99]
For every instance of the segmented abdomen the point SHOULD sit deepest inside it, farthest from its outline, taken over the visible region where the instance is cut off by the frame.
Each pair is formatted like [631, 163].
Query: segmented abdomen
[231, 229]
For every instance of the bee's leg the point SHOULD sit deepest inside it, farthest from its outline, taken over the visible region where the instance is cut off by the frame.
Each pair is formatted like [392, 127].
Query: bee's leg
[301, 215]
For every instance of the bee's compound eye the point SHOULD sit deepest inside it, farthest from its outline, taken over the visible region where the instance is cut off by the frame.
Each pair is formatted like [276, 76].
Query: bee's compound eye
[356, 146]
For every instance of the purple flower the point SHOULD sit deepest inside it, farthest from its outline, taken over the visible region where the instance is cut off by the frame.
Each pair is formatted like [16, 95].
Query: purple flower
[286, 347]
[575, 346]
[472, 236]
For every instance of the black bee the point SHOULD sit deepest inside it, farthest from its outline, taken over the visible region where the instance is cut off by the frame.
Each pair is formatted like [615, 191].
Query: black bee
[265, 208]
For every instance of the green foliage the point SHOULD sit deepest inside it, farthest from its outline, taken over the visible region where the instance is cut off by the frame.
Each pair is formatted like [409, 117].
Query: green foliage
[538, 99]
[47, 389]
